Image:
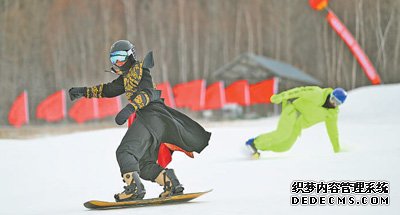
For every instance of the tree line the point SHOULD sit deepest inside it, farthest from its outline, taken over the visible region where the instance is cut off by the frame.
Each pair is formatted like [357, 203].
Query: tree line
[47, 45]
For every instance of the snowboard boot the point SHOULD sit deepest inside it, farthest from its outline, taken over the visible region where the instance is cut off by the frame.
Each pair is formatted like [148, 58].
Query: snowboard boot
[168, 179]
[252, 148]
[134, 189]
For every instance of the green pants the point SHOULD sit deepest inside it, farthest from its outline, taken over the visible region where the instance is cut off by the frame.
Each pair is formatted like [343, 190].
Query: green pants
[283, 138]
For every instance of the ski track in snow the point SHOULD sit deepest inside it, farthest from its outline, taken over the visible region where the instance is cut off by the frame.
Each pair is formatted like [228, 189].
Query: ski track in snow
[56, 175]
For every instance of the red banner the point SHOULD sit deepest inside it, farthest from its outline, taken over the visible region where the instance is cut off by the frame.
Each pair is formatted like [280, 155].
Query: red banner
[261, 92]
[190, 94]
[84, 109]
[166, 93]
[19, 113]
[355, 48]
[109, 106]
[53, 108]
[215, 96]
[238, 92]
[318, 4]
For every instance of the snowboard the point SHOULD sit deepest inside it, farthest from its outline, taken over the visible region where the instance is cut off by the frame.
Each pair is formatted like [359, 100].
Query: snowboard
[101, 205]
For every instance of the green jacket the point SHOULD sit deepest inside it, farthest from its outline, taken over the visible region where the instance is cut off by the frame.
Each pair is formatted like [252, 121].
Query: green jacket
[308, 102]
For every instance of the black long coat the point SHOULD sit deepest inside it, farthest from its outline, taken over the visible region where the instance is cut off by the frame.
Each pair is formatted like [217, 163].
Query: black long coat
[164, 123]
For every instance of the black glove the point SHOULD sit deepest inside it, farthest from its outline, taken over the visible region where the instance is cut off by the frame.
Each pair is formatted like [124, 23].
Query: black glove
[124, 114]
[76, 92]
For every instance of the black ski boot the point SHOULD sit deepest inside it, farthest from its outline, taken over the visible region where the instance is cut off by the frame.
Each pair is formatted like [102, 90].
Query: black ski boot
[134, 189]
[168, 179]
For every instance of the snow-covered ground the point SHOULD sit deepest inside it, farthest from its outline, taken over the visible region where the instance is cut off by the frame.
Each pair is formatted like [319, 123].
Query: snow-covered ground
[57, 174]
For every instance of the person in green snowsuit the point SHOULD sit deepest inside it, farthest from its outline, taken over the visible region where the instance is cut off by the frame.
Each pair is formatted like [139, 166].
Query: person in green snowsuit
[302, 107]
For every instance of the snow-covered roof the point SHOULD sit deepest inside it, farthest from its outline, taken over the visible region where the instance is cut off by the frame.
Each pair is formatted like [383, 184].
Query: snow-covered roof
[255, 68]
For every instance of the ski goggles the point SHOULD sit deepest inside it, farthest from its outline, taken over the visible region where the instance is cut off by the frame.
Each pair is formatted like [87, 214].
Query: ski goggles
[120, 56]
[335, 100]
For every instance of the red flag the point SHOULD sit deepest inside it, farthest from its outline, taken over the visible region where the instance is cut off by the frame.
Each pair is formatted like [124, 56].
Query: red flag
[19, 113]
[53, 108]
[190, 94]
[238, 92]
[166, 93]
[109, 106]
[355, 48]
[318, 4]
[84, 109]
[215, 96]
[261, 92]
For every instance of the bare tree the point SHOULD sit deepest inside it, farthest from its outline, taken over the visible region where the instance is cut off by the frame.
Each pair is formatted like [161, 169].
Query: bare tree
[358, 14]
[237, 29]
[182, 42]
[130, 15]
[46, 45]
[382, 36]
[196, 44]
[250, 31]
[396, 52]
[259, 31]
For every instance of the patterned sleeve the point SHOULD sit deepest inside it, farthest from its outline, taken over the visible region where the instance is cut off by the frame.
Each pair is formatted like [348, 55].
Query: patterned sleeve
[112, 89]
[144, 97]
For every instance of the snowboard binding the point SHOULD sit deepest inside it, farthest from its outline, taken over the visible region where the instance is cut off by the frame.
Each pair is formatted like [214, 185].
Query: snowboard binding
[134, 189]
[172, 186]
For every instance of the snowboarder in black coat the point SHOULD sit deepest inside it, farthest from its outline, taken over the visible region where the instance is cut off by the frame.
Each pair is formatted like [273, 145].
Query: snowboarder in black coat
[155, 122]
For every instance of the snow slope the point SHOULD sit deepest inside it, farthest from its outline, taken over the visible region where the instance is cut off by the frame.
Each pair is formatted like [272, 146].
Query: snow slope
[55, 175]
